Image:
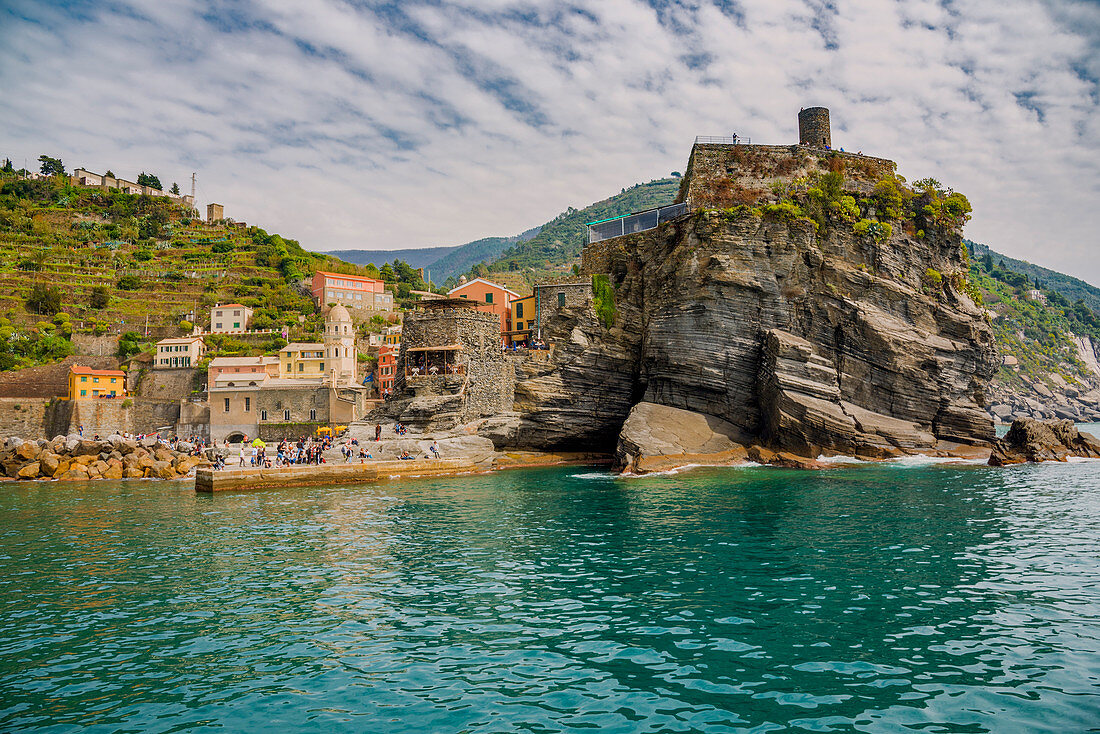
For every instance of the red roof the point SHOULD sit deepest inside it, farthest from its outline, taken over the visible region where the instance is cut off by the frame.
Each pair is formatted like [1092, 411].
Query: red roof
[79, 369]
[231, 305]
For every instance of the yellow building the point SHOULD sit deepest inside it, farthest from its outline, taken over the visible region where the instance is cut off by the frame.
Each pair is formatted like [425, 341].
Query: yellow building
[299, 359]
[523, 319]
[86, 383]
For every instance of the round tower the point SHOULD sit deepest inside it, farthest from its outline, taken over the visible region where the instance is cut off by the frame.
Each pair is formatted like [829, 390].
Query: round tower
[340, 345]
[813, 127]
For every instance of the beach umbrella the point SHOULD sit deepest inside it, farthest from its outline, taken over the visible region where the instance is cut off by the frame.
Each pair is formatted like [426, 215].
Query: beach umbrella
[257, 443]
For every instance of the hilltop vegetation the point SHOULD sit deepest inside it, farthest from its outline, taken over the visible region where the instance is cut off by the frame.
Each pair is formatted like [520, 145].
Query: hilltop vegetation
[83, 260]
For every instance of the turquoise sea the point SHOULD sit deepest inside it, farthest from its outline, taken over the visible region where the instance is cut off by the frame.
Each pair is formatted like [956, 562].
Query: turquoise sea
[913, 596]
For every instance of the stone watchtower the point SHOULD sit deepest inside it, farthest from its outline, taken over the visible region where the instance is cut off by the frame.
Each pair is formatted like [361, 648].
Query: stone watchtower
[813, 127]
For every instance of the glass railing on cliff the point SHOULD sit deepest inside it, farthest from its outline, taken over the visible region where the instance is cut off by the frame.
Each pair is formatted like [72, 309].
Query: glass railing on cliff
[605, 229]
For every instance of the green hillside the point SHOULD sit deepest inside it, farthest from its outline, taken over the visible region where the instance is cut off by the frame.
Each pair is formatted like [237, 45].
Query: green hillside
[82, 260]
[1073, 289]
[1038, 334]
[560, 241]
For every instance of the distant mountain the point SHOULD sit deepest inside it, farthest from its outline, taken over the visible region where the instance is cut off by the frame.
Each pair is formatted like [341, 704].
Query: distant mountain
[486, 250]
[442, 261]
[1073, 289]
[415, 258]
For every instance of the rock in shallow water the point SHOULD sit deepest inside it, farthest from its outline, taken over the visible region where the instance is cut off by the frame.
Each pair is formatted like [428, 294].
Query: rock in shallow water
[1035, 441]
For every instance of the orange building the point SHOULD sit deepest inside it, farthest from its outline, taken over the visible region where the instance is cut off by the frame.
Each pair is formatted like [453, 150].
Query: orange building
[493, 298]
[386, 370]
[86, 383]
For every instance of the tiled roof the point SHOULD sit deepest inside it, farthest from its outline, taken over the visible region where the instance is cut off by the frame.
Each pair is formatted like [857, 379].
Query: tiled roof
[79, 369]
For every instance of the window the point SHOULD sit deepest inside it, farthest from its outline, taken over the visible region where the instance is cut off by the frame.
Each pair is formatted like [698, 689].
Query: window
[519, 325]
[561, 299]
[237, 313]
[263, 415]
[519, 310]
[312, 414]
[113, 380]
[227, 405]
[236, 324]
[488, 297]
[83, 379]
[463, 295]
[83, 393]
[218, 325]
[288, 367]
[95, 379]
[301, 367]
[247, 404]
[286, 415]
[321, 366]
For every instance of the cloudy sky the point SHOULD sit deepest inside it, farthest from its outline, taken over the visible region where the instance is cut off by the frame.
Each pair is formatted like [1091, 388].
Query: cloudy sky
[350, 123]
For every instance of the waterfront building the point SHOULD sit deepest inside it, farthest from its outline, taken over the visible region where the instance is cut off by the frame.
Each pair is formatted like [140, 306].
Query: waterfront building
[178, 352]
[302, 361]
[530, 312]
[231, 318]
[86, 383]
[490, 297]
[351, 291]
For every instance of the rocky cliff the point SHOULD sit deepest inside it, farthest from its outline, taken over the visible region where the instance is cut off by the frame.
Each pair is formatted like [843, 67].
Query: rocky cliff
[825, 312]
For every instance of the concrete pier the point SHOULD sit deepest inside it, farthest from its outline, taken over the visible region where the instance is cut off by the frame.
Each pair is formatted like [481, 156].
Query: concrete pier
[209, 481]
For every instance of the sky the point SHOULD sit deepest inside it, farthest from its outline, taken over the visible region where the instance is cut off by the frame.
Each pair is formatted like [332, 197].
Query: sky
[373, 125]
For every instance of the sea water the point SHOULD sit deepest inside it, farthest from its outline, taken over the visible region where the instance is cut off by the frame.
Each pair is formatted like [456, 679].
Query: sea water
[911, 596]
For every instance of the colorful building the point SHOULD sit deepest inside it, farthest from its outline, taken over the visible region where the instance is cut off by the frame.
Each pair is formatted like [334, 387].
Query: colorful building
[352, 291]
[230, 318]
[86, 383]
[184, 351]
[523, 319]
[387, 369]
[492, 298]
[302, 360]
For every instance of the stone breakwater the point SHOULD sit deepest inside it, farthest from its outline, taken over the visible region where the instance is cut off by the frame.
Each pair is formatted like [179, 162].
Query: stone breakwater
[72, 458]
[208, 480]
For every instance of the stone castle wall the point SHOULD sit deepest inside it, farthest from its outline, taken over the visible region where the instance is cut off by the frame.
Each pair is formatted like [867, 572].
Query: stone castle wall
[721, 176]
[489, 381]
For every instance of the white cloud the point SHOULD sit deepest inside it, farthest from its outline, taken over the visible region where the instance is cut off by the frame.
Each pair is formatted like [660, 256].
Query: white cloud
[430, 124]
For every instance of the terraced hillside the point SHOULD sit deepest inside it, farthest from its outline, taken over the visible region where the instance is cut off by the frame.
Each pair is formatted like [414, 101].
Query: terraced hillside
[80, 259]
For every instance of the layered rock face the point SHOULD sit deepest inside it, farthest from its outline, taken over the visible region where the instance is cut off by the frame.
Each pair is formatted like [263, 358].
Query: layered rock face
[807, 340]
[578, 396]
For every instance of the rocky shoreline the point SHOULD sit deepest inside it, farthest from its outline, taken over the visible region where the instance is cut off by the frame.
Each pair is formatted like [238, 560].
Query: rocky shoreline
[74, 458]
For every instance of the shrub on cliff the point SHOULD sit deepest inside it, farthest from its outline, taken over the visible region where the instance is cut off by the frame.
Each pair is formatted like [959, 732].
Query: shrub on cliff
[603, 300]
[44, 299]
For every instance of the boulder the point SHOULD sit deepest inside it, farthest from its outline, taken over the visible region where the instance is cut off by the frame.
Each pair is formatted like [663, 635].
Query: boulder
[72, 444]
[1035, 441]
[163, 470]
[26, 451]
[163, 454]
[114, 470]
[184, 446]
[98, 467]
[133, 472]
[87, 447]
[658, 437]
[1002, 410]
[128, 446]
[85, 459]
[30, 471]
[13, 443]
[149, 442]
[75, 472]
[49, 463]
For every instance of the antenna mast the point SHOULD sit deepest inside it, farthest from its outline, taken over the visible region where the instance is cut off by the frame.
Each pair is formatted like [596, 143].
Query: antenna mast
[193, 205]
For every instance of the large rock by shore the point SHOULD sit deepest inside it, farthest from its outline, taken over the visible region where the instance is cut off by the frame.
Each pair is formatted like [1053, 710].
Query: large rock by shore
[658, 438]
[73, 458]
[1029, 440]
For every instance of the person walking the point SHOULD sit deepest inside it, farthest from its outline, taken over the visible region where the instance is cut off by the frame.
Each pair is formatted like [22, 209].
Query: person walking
[378, 432]
[244, 454]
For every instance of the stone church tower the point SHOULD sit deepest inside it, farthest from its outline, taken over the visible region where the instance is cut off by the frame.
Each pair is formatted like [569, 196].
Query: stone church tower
[340, 346]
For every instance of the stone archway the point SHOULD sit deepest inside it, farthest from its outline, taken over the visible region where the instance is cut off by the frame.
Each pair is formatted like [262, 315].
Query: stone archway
[235, 437]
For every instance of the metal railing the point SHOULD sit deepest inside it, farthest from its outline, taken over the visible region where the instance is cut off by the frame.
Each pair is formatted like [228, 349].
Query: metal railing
[719, 140]
[631, 223]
